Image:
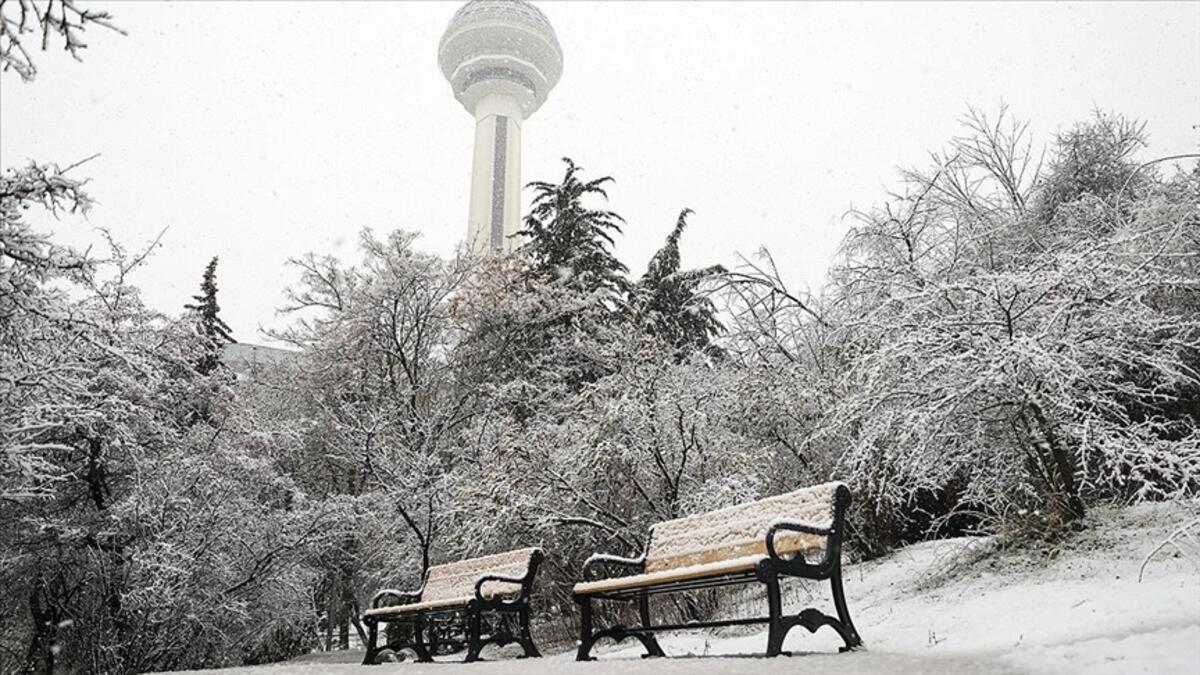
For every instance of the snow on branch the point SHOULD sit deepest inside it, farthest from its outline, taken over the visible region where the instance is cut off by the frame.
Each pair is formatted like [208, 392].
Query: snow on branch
[44, 20]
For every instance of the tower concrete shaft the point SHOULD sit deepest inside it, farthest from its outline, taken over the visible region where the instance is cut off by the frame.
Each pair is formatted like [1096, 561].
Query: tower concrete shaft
[495, 213]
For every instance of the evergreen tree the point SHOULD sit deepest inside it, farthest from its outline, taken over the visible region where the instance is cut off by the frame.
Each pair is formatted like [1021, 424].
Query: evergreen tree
[667, 301]
[215, 330]
[570, 243]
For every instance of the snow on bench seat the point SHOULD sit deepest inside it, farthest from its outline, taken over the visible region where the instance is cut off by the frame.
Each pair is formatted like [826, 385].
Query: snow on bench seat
[453, 584]
[712, 569]
[729, 540]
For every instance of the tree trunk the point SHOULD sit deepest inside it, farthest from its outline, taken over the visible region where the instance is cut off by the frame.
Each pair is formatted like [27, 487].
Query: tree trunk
[40, 656]
[329, 610]
[1069, 504]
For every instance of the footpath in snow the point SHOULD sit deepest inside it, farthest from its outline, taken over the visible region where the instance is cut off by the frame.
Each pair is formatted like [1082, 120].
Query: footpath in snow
[954, 606]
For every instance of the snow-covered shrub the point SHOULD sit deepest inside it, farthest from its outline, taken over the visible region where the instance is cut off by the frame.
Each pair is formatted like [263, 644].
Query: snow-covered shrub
[143, 522]
[1017, 358]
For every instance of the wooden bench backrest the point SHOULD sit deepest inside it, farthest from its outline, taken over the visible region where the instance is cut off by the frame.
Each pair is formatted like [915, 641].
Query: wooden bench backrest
[739, 531]
[457, 579]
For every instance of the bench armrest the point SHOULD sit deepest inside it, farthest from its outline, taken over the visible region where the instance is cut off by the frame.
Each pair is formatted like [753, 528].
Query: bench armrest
[495, 577]
[525, 581]
[791, 526]
[597, 560]
[400, 597]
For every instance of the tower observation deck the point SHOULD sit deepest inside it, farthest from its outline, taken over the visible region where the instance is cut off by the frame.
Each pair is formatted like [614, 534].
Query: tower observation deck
[501, 58]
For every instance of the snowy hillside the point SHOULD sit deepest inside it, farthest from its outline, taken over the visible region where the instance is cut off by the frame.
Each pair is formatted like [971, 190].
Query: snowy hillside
[955, 606]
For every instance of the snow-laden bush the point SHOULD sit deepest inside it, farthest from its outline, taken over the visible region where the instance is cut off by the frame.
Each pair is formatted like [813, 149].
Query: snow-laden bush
[1009, 356]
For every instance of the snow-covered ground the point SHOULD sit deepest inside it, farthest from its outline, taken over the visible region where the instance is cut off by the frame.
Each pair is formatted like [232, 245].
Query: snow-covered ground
[953, 606]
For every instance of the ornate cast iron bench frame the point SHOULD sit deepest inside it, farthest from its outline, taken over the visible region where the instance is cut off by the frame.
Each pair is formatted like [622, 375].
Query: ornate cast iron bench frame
[768, 571]
[477, 622]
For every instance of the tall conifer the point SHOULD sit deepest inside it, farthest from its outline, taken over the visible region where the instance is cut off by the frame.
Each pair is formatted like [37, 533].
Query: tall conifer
[668, 302]
[569, 242]
[215, 330]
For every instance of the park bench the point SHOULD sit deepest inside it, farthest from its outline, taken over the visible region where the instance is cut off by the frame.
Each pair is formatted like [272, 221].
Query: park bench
[798, 534]
[468, 603]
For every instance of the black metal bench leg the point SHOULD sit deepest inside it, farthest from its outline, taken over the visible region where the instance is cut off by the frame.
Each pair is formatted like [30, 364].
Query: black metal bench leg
[651, 643]
[524, 637]
[849, 634]
[473, 644]
[585, 629]
[418, 644]
[777, 627]
[372, 638]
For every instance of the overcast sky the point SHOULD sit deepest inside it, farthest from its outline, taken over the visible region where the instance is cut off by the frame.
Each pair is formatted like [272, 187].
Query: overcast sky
[257, 131]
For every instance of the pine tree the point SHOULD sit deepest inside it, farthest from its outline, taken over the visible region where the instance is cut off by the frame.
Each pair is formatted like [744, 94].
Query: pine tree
[667, 301]
[215, 330]
[569, 243]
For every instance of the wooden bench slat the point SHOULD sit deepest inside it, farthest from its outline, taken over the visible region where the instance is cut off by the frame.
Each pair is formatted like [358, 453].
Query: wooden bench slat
[439, 603]
[716, 568]
[394, 610]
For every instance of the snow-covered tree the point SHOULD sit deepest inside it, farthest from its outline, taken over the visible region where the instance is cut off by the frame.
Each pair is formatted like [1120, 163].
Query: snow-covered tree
[996, 356]
[670, 303]
[568, 241]
[136, 533]
[207, 312]
[377, 385]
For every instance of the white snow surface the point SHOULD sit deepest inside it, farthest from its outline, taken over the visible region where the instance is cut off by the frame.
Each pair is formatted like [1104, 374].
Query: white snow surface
[970, 605]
